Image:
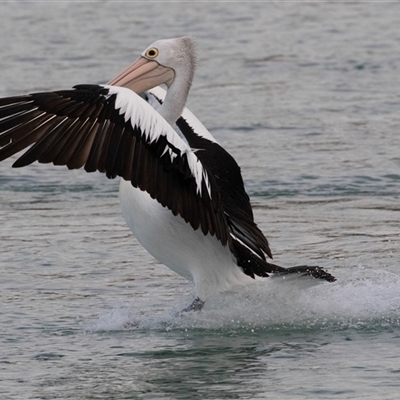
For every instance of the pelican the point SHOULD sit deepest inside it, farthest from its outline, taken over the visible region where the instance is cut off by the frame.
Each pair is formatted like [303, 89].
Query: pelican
[181, 193]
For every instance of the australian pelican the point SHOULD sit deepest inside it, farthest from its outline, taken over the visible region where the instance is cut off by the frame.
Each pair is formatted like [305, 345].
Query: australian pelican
[181, 193]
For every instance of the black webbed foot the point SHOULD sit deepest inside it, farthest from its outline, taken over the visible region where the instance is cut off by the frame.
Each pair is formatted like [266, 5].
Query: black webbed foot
[197, 305]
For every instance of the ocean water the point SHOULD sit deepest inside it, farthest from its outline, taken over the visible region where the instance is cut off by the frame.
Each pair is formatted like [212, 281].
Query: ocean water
[306, 97]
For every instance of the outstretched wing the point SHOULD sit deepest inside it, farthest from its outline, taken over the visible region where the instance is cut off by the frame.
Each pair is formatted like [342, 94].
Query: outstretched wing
[112, 130]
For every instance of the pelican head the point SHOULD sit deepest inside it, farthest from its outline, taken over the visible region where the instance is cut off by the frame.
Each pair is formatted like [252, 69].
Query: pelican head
[163, 62]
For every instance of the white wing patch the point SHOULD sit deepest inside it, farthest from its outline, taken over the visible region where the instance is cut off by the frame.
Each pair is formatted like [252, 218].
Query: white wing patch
[153, 126]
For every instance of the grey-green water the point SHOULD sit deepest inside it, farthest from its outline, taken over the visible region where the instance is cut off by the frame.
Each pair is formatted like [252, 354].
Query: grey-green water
[306, 97]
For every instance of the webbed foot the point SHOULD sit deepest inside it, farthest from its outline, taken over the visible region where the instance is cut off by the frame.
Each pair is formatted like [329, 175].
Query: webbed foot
[197, 305]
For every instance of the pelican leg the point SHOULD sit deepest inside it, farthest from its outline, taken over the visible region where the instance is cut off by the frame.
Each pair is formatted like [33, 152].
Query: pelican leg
[197, 305]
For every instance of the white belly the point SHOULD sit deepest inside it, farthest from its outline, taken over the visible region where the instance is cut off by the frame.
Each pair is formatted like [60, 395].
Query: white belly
[198, 257]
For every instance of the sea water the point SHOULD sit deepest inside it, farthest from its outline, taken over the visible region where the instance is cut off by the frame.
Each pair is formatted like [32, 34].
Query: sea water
[305, 96]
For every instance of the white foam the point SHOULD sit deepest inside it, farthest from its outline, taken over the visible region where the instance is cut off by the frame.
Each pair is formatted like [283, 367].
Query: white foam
[360, 297]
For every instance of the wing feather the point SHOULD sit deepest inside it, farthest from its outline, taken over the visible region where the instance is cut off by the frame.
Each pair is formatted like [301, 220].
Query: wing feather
[52, 144]
[114, 131]
[83, 148]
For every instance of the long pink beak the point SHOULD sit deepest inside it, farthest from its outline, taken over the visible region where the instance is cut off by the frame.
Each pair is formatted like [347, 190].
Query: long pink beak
[143, 75]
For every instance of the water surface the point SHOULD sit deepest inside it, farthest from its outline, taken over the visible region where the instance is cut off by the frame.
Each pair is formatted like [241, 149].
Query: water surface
[306, 98]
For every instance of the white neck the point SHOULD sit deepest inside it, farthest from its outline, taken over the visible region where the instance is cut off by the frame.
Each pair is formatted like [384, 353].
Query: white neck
[176, 98]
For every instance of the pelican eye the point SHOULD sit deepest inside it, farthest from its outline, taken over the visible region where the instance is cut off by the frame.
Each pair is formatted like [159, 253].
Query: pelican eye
[152, 53]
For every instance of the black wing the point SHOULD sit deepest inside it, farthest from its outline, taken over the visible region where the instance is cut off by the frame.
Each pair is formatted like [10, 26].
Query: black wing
[107, 129]
[234, 198]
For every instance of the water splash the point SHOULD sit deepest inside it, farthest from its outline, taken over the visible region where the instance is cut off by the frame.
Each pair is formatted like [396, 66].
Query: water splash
[361, 299]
